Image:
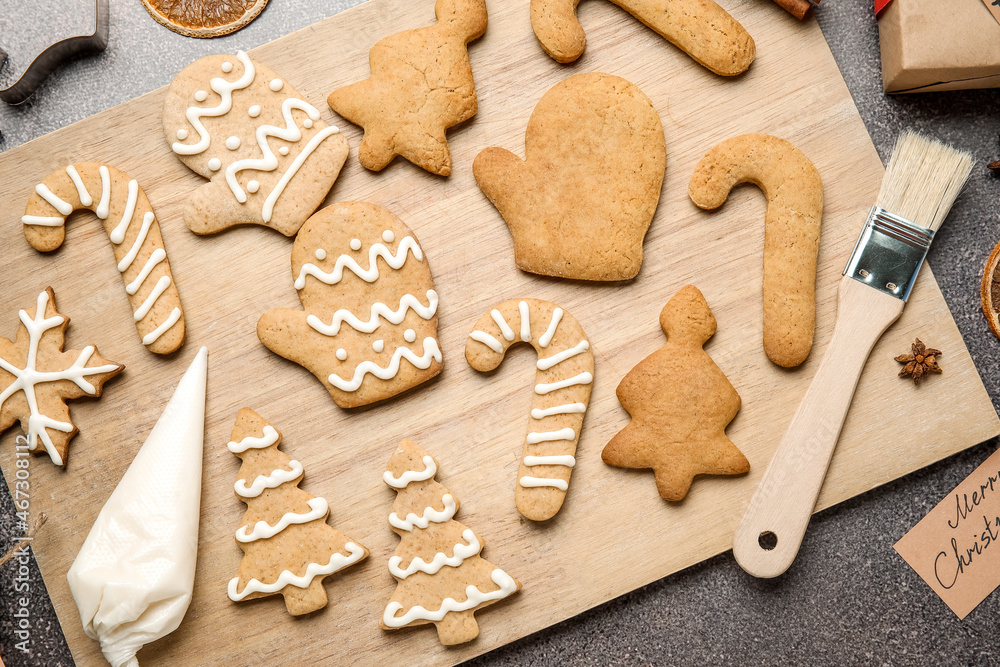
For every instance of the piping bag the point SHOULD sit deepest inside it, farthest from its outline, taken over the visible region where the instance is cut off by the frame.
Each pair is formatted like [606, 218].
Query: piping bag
[133, 578]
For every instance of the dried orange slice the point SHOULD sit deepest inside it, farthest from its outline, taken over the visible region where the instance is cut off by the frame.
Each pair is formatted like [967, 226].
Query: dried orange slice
[204, 18]
[989, 291]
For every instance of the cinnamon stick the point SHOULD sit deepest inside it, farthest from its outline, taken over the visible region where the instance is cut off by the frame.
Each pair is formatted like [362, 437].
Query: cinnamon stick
[796, 8]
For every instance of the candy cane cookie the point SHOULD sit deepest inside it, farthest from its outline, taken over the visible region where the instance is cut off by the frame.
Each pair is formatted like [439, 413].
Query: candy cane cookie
[562, 391]
[128, 218]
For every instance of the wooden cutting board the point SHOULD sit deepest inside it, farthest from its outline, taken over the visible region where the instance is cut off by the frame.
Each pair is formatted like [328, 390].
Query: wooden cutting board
[614, 533]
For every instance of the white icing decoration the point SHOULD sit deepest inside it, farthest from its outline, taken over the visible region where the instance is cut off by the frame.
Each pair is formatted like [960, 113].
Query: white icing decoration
[262, 482]
[379, 310]
[58, 204]
[409, 335]
[161, 286]
[546, 337]
[550, 436]
[429, 515]
[158, 256]
[423, 362]
[225, 90]
[182, 134]
[307, 123]
[401, 482]
[487, 340]
[147, 221]
[567, 409]
[440, 560]
[253, 186]
[42, 220]
[355, 244]
[276, 84]
[254, 111]
[342, 354]
[215, 164]
[533, 482]
[269, 438]
[388, 236]
[283, 150]
[287, 578]
[227, 67]
[233, 142]
[525, 322]
[26, 378]
[155, 334]
[505, 329]
[370, 274]
[300, 159]
[474, 598]
[378, 345]
[118, 233]
[81, 189]
[549, 362]
[102, 207]
[320, 254]
[262, 530]
[583, 378]
[201, 95]
[567, 460]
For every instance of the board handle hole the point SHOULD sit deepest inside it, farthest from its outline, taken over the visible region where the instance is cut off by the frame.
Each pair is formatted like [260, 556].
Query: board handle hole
[767, 540]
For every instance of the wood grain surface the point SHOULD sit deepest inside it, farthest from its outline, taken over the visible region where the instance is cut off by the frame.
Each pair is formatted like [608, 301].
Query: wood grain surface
[614, 533]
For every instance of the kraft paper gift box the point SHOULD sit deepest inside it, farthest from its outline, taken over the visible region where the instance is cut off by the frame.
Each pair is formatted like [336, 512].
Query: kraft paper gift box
[930, 45]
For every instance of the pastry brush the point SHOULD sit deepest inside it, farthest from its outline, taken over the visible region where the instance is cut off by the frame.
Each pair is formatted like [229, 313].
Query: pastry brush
[920, 185]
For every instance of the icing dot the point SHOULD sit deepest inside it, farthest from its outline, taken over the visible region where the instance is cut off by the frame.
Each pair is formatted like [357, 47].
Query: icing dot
[182, 134]
[388, 236]
[342, 354]
[254, 111]
[227, 67]
[253, 186]
[307, 123]
[215, 164]
[355, 244]
[410, 335]
[201, 95]
[233, 142]
[320, 253]
[283, 150]
[378, 345]
[276, 84]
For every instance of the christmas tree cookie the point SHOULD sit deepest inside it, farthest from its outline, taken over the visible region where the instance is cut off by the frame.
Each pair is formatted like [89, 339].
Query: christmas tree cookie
[681, 403]
[288, 546]
[441, 577]
[368, 327]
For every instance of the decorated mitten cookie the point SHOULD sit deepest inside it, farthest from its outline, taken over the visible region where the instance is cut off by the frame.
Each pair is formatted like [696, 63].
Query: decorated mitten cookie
[368, 328]
[421, 84]
[794, 193]
[561, 393]
[680, 403]
[288, 547]
[270, 158]
[700, 28]
[580, 204]
[441, 578]
[37, 378]
[135, 235]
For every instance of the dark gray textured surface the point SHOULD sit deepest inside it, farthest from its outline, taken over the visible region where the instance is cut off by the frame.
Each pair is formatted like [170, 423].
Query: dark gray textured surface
[848, 599]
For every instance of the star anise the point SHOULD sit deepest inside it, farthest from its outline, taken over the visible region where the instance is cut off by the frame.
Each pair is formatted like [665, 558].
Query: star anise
[922, 361]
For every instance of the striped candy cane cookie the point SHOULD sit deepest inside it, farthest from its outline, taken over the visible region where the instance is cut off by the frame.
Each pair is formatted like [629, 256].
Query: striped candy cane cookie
[128, 218]
[561, 393]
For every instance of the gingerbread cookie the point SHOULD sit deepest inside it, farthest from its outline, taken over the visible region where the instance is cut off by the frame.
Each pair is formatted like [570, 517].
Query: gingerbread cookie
[700, 28]
[288, 548]
[270, 158]
[421, 84]
[580, 204]
[368, 328]
[441, 578]
[135, 235]
[681, 403]
[37, 378]
[562, 392]
[794, 195]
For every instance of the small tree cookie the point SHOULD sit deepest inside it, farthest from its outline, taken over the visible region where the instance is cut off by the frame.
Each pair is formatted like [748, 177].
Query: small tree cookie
[442, 579]
[681, 403]
[288, 546]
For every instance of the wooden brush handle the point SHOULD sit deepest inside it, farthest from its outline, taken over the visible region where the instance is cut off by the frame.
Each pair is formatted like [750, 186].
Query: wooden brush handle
[787, 494]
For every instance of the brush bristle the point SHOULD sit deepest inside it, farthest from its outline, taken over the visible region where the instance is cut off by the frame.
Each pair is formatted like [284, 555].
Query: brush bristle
[923, 179]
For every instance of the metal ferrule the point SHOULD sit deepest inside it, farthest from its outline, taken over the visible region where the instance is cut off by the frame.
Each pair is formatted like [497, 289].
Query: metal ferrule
[889, 253]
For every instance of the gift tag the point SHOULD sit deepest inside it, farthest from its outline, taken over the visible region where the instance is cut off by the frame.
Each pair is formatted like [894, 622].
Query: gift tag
[994, 7]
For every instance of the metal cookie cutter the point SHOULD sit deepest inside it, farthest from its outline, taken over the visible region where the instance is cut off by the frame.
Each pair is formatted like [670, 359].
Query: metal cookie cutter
[49, 59]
